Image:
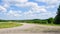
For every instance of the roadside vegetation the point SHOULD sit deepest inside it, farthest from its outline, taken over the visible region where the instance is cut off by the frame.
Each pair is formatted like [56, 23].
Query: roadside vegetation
[9, 24]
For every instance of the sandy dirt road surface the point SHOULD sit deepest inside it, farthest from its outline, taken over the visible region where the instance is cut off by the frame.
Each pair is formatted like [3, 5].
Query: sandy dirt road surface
[31, 29]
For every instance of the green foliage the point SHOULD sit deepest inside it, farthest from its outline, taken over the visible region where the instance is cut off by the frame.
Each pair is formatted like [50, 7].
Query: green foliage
[36, 21]
[9, 24]
[57, 18]
[50, 20]
[30, 21]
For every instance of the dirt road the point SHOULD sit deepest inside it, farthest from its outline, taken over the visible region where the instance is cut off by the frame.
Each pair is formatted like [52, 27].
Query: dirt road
[31, 29]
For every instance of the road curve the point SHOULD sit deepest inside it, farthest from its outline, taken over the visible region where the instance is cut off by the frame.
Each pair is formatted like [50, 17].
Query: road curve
[25, 29]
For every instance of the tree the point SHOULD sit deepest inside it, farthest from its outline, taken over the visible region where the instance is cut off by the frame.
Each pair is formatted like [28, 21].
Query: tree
[57, 18]
[36, 21]
[50, 20]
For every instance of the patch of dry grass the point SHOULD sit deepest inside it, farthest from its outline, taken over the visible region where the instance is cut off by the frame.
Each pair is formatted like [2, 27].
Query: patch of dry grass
[9, 25]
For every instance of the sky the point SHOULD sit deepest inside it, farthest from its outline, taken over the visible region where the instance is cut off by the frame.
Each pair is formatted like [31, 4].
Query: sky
[28, 9]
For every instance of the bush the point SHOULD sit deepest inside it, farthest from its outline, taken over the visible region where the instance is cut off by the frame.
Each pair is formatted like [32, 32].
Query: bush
[50, 20]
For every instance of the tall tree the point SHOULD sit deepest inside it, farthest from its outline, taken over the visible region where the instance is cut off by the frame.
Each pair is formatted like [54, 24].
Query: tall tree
[57, 18]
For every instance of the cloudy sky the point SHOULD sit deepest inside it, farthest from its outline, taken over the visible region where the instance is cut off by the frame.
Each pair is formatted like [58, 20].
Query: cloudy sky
[28, 9]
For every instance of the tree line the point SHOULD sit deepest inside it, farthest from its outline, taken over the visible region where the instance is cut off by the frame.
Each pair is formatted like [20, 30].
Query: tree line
[39, 21]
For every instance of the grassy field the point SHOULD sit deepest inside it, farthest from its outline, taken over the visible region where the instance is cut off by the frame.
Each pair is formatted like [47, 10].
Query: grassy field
[9, 24]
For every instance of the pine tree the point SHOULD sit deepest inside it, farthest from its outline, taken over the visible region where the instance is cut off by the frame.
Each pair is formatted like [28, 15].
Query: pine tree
[57, 18]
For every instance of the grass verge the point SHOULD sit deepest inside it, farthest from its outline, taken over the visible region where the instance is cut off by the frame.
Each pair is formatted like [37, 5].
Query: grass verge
[9, 24]
[46, 24]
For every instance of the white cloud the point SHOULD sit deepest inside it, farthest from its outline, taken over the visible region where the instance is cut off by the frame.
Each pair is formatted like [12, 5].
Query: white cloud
[15, 1]
[2, 9]
[41, 0]
[12, 13]
[35, 11]
[27, 4]
[39, 9]
[49, 1]
[53, 1]
[33, 7]
[51, 6]
[6, 5]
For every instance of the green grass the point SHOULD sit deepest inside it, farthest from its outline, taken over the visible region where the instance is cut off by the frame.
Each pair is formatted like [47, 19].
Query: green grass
[46, 24]
[50, 24]
[9, 24]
